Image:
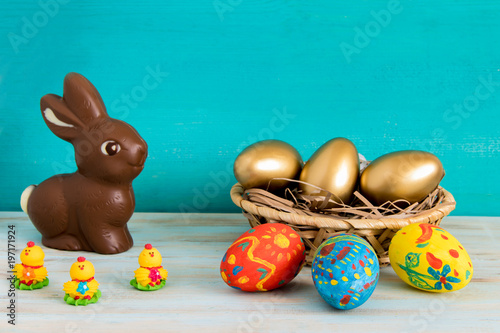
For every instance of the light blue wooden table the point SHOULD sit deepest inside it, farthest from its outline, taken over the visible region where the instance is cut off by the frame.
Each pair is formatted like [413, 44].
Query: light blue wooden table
[195, 299]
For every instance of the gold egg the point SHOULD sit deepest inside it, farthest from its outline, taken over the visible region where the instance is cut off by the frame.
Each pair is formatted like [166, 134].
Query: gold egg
[409, 174]
[333, 167]
[257, 164]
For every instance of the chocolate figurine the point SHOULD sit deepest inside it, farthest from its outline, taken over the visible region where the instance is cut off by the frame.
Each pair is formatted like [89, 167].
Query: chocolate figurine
[89, 209]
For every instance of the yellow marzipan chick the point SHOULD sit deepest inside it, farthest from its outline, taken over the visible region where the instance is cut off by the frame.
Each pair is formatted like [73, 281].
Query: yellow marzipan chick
[82, 284]
[151, 272]
[31, 271]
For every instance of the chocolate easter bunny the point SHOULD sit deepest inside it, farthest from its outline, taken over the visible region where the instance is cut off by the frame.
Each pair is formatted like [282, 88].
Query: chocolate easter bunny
[89, 209]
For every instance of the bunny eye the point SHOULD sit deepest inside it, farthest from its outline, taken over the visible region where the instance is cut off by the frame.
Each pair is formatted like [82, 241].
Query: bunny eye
[110, 148]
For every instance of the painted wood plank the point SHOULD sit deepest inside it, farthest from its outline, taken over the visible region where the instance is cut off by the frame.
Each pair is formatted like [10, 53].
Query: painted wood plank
[196, 299]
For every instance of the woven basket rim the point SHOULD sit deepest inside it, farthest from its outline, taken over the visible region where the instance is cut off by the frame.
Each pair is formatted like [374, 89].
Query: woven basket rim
[436, 213]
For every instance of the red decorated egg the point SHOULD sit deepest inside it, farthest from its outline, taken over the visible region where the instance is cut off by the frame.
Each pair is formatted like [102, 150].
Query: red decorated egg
[263, 258]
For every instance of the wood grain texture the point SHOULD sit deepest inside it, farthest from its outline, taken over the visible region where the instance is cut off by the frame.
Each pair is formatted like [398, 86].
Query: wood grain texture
[196, 299]
[233, 71]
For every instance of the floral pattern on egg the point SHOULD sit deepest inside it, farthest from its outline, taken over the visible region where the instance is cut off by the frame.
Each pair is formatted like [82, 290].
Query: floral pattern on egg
[429, 258]
[264, 258]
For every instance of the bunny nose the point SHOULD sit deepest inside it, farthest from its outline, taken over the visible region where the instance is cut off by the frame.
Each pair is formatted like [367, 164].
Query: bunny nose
[139, 156]
[143, 158]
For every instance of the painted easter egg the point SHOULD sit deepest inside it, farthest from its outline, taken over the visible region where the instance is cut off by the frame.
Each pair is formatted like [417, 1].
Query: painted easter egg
[264, 258]
[345, 271]
[430, 258]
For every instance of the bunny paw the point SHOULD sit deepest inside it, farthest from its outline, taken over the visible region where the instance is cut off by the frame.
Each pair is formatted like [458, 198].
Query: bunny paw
[64, 242]
[114, 247]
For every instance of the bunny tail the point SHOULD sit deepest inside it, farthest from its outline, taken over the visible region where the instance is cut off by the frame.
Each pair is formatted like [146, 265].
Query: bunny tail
[25, 197]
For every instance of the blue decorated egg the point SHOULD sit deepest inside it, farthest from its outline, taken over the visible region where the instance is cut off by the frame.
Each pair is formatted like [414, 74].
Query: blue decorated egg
[345, 271]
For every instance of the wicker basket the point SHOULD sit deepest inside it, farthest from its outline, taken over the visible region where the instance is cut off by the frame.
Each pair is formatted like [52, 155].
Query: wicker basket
[315, 229]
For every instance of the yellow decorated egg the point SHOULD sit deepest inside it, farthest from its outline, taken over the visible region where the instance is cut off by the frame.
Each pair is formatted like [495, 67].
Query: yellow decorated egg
[428, 257]
[264, 258]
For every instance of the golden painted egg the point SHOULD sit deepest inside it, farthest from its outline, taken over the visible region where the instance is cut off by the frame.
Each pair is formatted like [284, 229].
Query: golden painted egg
[264, 258]
[333, 167]
[409, 174]
[260, 162]
[430, 258]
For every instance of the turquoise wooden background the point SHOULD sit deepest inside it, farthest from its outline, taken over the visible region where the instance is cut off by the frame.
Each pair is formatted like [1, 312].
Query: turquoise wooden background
[222, 74]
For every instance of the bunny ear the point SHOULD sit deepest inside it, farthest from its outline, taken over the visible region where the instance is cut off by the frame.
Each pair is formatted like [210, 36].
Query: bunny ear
[59, 118]
[83, 99]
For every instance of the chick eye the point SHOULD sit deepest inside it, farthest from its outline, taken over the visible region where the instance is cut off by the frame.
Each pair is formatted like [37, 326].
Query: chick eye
[110, 147]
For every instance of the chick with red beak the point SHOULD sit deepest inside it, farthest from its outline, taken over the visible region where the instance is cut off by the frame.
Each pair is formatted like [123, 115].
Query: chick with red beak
[150, 275]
